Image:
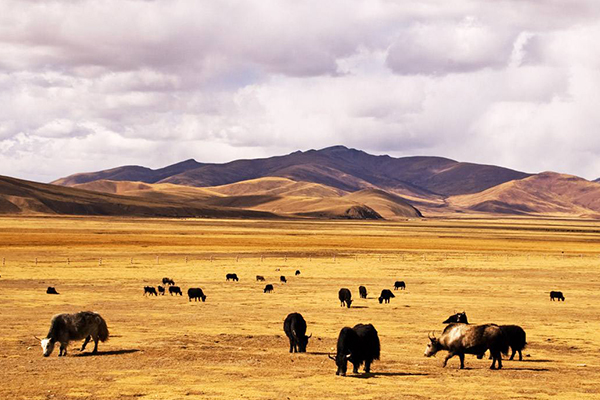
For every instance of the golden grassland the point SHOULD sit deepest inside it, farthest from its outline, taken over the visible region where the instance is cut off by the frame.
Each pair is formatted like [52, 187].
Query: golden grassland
[233, 346]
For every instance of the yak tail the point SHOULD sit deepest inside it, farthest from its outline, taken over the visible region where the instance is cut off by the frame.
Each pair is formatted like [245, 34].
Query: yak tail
[102, 330]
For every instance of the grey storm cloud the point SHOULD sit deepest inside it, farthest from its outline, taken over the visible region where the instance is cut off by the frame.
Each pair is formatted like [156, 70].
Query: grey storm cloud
[88, 85]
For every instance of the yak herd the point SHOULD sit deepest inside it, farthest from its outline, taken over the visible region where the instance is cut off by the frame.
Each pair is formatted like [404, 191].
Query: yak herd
[358, 345]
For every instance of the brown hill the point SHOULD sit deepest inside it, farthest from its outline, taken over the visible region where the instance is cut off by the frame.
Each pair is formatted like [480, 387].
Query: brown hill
[337, 167]
[24, 197]
[548, 194]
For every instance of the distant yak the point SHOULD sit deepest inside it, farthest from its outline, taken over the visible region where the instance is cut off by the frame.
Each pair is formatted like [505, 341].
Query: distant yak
[399, 285]
[294, 327]
[232, 277]
[150, 290]
[260, 278]
[297, 272]
[268, 288]
[196, 293]
[386, 295]
[161, 290]
[65, 328]
[345, 297]
[282, 279]
[175, 290]
[51, 290]
[460, 317]
[168, 281]
[362, 291]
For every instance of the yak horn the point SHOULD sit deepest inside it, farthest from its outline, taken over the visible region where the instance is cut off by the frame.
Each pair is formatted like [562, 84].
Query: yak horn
[329, 355]
[310, 336]
[348, 355]
[37, 338]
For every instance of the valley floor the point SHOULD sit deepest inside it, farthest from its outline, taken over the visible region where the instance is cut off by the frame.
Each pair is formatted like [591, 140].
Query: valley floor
[233, 345]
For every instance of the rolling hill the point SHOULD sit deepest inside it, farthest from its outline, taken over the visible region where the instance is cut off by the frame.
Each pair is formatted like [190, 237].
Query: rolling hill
[337, 167]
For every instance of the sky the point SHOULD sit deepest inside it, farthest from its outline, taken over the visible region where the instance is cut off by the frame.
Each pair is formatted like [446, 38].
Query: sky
[87, 85]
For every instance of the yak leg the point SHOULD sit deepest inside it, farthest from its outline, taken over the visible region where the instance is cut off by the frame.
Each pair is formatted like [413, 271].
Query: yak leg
[292, 347]
[462, 360]
[520, 356]
[513, 354]
[85, 342]
[63, 350]
[497, 357]
[449, 356]
[95, 345]
[367, 367]
[355, 369]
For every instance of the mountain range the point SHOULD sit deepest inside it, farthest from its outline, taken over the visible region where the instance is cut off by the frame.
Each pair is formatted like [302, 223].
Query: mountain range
[335, 182]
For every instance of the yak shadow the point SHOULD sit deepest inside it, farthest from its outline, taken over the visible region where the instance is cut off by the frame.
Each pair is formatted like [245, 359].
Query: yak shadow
[317, 353]
[527, 369]
[359, 307]
[377, 374]
[533, 361]
[107, 353]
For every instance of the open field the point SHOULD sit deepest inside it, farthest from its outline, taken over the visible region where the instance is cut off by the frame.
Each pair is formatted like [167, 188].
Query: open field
[233, 346]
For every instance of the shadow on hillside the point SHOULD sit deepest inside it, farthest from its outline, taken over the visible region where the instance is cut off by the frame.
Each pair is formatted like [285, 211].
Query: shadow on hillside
[107, 353]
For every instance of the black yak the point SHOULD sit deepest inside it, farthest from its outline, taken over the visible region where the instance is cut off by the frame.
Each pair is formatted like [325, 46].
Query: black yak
[150, 290]
[386, 295]
[176, 290]
[460, 318]
[282, 279]
[68, 327]
[232, 277]
[268, 288]
[196, 293]
[51, 290]
[345, 297]
[297, 272]
[363, 292]
[461, 339]
[557, 295]
[294, 327]
[357, 345]
[161, 290]
[260, 278]
[168, 281]
[399, 285]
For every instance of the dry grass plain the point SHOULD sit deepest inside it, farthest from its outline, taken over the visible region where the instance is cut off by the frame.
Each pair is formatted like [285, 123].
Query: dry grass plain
[233, 345]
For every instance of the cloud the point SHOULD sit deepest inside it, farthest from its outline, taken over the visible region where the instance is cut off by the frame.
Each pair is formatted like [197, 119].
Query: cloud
[87, 85]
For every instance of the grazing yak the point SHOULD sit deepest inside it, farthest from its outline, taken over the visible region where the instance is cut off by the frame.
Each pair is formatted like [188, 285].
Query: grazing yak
[357, 345]
[175, 290]
[161, 290]
[282, 279]
[461, 339]
[232, 277]
[557, 295]
[168, 281]
[260, 278]
[297, 272]
[196, 293]
[150, 290]
[399, 285]
[345, 296]
[363, 292]
[515, 335]
[294, 327]
[386, 295]
[268, 288]
[65, 328]
[51, 290]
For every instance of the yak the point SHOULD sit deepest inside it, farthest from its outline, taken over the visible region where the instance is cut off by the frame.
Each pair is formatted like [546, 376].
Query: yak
[232, 277]
[168, 281]
[260, 278]
[297, 272]
[358, 345]
[399, 285]
[51, 290]
[68, 327]
[294, 327]
[282, 279]
[268, 288]
[196, 293]
[150, 290]
[161, 290]
[557, 295]
[176, 290]
[363, 292]
[386, 295]
[345, 297]
[461, 339]
[515, 335]
[460, 318]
